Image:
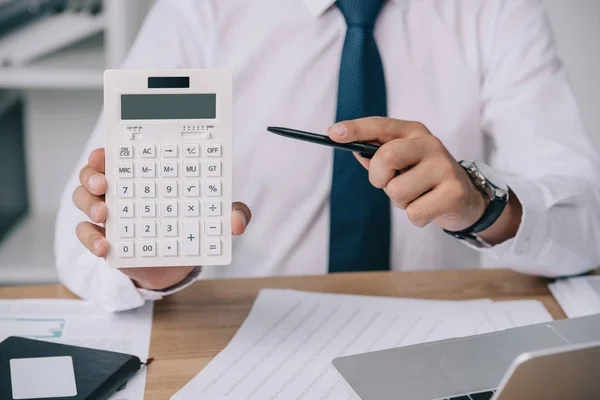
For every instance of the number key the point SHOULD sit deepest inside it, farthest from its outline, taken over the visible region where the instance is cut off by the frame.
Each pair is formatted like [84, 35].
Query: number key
[125, 190]
[148, 229]
[125, 249]
[147, 189]
[126, 229]
[148, 249]
[169, 228]
[148, 209]
[169, 189]
[126, 209]
[169, 209]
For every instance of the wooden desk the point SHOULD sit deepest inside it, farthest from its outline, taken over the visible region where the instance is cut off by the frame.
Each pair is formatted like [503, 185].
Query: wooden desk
[192, 326]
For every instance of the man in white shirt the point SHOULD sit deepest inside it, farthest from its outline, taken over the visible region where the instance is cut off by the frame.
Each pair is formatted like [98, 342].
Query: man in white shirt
[476, 75]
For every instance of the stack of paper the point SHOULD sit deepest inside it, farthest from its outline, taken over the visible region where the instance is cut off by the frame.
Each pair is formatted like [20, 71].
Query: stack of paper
[579, 296]
[284, 348]
[80, 323]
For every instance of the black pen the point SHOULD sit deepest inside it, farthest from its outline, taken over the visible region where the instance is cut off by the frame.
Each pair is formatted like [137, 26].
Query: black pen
[366, 150]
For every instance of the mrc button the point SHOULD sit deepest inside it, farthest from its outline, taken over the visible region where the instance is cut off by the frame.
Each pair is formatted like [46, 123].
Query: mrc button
[212, 150]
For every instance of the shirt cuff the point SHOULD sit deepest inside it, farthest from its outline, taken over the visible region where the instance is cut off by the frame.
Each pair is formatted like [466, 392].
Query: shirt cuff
[153, 295]
[526, 246]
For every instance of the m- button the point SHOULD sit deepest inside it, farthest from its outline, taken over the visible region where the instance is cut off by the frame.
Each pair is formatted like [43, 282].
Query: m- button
[212, 150]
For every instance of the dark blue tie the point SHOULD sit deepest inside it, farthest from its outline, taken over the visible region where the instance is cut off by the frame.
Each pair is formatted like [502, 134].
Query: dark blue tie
[360, 213]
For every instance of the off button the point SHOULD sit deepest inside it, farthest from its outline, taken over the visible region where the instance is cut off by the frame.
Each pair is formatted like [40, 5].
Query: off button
[212, 150]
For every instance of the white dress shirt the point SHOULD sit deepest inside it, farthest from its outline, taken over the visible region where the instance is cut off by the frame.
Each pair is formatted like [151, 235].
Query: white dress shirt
[476, 73]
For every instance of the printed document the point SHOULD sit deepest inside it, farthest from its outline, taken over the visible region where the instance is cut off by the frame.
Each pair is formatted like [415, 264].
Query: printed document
[81, 323]
[578, 296]
[284, 348]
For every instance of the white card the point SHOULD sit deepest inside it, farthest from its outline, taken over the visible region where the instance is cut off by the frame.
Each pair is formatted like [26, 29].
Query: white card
[42, 378]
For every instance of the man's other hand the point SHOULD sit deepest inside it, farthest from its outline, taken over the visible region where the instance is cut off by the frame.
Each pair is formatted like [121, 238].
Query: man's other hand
[433, 186]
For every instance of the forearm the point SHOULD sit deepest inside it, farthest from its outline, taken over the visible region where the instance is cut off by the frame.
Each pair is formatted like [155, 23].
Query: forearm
[559, 233]
[507, 225]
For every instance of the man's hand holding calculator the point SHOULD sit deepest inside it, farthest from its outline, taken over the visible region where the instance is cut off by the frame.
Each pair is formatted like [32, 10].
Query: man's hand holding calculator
[89, 198]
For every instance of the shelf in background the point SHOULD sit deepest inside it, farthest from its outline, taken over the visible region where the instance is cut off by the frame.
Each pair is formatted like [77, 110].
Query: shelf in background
[79, 66]
[27, 253]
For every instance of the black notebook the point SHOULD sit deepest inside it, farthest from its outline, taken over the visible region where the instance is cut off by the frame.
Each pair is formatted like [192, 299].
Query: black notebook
[97, 374]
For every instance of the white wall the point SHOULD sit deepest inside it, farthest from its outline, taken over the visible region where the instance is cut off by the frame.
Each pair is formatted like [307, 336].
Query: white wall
[576, 25]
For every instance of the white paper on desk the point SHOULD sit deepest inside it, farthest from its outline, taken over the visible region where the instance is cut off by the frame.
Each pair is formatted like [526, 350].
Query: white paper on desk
[81, 323]
[578, 296]
[284, 348]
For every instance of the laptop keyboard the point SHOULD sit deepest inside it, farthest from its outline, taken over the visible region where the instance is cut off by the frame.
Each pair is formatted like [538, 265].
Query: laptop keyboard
[475, 396]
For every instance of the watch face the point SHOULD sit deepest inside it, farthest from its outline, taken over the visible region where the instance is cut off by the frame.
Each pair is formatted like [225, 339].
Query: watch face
[491, 176]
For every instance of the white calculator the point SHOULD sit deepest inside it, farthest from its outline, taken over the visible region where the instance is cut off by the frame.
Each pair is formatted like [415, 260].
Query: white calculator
[168, 166]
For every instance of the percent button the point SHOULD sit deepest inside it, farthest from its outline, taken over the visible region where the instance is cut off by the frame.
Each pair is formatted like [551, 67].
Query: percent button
[212, 188]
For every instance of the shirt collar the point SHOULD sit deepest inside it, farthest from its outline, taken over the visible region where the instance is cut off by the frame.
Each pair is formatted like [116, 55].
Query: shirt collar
[318, 7]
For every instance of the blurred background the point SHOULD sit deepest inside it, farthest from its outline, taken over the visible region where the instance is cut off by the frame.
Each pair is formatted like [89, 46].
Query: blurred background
[52, 56]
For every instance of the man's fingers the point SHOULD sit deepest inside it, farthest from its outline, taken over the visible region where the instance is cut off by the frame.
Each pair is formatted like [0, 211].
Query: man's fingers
[240, 218]
[96, 160]
[92, 237]
[377, 129]
[93, 181]
[93, 206]
[437, 203]
[395, 156]
[410, 185]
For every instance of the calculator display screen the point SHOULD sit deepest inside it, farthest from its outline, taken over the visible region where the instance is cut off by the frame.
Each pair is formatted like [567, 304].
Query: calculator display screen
[168, 106]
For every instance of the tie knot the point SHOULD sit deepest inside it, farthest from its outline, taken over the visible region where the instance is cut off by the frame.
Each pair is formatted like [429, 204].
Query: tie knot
[360, 12]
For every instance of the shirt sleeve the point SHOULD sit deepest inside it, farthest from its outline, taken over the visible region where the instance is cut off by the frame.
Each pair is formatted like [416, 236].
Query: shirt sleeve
[541, 148]
[164, 41]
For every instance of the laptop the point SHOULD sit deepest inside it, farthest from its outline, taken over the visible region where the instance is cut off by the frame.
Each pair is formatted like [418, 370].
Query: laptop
[556, 360]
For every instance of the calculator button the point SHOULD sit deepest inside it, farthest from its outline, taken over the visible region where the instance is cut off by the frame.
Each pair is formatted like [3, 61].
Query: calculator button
[191, 150]
[169, 209]
[147, 170]
[125, 170]
[169, 248]
[213, 208]
[126, 209]
[169, 150]
[169, 169]
[191, 168]
[125, 249]
[169, 228]
[147, 189]
[212, 150]
[125, 190]
[126, 229]
[212, 247]
[191, 209]
[191, 238]
[191, 189]
[212, 168]
[148, 248]
[147, 151]
[148, 209]
[212, 228]
[125, 151]
[212, 188]
[148, 229]
[169, 189]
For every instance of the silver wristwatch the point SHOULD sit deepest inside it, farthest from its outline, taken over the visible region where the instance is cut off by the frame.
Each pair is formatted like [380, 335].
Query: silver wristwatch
[491, 185]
